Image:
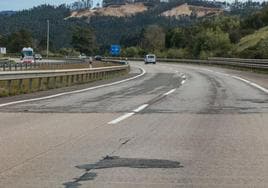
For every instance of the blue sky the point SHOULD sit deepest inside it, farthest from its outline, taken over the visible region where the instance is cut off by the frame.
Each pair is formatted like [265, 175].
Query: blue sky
[25, 4]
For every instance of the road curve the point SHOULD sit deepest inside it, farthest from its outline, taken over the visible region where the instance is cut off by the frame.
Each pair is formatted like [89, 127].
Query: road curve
[176, 126]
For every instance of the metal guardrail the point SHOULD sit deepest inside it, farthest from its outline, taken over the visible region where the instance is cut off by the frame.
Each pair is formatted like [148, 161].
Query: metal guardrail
[253, 61]
[236, 62]
[7, 65]
[14, 75]
[13, 83]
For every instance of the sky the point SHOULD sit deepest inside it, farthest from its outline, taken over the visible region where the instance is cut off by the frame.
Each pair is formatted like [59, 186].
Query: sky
[26, 4]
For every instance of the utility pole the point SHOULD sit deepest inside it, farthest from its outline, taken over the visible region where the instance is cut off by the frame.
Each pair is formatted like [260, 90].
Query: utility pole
[47, 38]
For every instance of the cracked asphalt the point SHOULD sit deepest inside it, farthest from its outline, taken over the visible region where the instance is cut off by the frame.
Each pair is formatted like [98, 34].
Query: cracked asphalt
[190, 128]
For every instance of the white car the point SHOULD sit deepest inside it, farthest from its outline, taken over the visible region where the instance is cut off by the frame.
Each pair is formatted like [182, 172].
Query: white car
[38, 57]
[150, 58]
[82, 56]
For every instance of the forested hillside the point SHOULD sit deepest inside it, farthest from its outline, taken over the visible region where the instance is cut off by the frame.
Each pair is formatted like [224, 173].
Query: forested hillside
[189, 35]
[35, 21]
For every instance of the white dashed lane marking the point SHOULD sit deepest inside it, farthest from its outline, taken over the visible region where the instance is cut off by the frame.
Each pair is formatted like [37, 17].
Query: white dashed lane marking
[128, 115]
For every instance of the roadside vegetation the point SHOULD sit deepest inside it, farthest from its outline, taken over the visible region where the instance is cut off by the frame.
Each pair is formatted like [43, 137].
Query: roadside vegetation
[221, 36]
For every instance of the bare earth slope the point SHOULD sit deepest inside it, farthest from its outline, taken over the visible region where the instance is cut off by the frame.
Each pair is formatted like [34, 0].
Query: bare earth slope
[187, 10]
[117, 11]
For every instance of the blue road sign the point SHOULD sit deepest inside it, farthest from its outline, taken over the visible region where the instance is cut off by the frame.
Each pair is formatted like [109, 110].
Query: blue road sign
[115, 50]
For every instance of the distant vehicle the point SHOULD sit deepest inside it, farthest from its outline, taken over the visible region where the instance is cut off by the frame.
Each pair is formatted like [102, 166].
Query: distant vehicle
[28, 60]
[38, 57]
[150, 58]
[27, 52]
[98, 58]
[82, 56]
[123, 63]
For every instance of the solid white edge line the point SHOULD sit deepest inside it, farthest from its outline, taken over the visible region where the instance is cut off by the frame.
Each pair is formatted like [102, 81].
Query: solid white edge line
[251, 83]
[121, 118]
[168, 93]
[142, 107]
[73, 92]
[241, 79]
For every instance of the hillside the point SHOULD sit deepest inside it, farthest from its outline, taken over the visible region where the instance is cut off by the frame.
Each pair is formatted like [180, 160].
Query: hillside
[252, 39]
[188, 10]
[122, 23]
[116, 11]
[131, 9]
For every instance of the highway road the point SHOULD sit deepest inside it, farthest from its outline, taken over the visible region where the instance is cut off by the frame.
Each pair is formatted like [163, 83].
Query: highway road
[173, 126]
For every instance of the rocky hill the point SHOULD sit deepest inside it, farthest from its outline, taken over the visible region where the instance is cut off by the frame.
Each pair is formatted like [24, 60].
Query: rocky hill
[130, 9]
[188, 10]
[115, 10]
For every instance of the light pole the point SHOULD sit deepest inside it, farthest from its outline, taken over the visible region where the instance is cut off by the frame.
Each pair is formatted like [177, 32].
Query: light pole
[47, 38]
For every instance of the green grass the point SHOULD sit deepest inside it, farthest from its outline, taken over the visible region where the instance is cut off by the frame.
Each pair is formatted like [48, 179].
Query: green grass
[252, 39]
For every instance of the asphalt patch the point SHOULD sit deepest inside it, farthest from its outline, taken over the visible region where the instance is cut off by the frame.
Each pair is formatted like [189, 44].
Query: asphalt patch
[117, 162]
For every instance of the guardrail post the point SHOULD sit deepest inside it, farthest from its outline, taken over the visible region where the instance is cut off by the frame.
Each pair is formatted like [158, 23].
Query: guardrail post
[16, 66]
[20, 86]
[72, 79]
[9, 82]
[67, 80]
[77, 78]
[30, 84]
[21, 66]
[54, 82]
[61, 80]
[26, 66]
[86, 75]
[39, 84]
[82, 78]
[10, 66]
[48, 82]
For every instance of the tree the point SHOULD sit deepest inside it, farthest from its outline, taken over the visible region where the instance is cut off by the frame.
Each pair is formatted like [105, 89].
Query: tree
[153, 38]
[83, 40]
[18, 40]
[2, 41]
[176, 38]
[212, 42]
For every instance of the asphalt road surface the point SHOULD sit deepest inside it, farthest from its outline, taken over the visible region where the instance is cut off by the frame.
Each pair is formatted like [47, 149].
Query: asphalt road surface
[175, 126]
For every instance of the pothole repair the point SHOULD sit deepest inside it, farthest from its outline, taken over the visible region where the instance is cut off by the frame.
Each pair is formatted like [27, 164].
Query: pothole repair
[116, 162]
